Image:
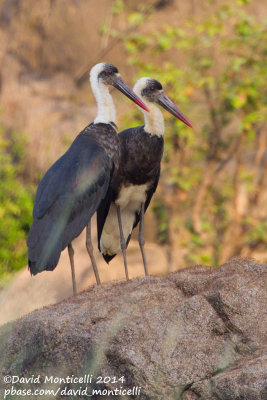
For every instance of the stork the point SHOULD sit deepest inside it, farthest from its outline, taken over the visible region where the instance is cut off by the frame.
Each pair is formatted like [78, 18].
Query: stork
[129, 196]
[73, 187]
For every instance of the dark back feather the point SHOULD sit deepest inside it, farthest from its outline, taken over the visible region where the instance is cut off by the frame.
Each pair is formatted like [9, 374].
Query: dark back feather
[69, 194]
[141, 155]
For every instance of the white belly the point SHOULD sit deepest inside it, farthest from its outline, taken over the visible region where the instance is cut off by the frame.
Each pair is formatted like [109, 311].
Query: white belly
[130, 200]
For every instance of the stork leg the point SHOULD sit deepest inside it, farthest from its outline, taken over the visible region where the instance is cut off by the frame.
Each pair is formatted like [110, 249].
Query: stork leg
[71, 254]
[141, 237]
[123, 243]
[90, 250]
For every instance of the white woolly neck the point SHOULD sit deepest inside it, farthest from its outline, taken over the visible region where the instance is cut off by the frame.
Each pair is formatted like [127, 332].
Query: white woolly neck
[154, 121]
[106, 112]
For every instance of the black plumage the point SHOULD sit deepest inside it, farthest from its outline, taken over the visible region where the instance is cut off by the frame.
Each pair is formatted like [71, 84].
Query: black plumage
[141, 155]
[72, 189]
[131, 192]
[70, 193]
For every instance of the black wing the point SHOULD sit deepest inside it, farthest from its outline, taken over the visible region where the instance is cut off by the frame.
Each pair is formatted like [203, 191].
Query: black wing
[141, 154]
[67, 197]
[102, 213]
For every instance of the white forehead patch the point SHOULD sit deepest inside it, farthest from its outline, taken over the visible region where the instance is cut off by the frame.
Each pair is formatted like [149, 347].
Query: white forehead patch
[140, 85]
[96, 70]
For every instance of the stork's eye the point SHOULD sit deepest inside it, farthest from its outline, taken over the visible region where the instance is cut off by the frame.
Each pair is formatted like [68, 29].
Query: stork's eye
[110, 72]
[152, 89]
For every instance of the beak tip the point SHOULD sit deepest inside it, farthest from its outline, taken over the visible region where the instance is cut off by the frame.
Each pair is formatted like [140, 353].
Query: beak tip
[121, 85]
[142, 105]
[166, 103]
[185, 121]
[147, 109]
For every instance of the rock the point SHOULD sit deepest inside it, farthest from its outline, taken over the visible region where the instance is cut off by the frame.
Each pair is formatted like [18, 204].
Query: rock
[199, 333]
[26, 293]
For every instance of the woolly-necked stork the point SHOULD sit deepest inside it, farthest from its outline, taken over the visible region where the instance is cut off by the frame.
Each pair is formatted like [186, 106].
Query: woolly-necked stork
[73, 187]
[130, 195]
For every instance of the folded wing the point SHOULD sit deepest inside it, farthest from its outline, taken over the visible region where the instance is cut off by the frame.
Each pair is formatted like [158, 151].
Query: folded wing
[67, 197]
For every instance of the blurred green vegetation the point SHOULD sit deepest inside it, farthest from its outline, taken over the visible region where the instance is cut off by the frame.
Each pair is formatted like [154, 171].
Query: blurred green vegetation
[16, 203]
[220, 85]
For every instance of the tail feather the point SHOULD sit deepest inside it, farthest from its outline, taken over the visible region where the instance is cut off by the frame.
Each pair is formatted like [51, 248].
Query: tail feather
[35, 267]
[43, 251]
[108, 257]
[49, 236]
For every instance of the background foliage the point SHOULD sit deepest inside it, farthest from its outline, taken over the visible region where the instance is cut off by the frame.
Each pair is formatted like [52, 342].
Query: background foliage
[215, 174]
[16, 202]
[211, 201]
